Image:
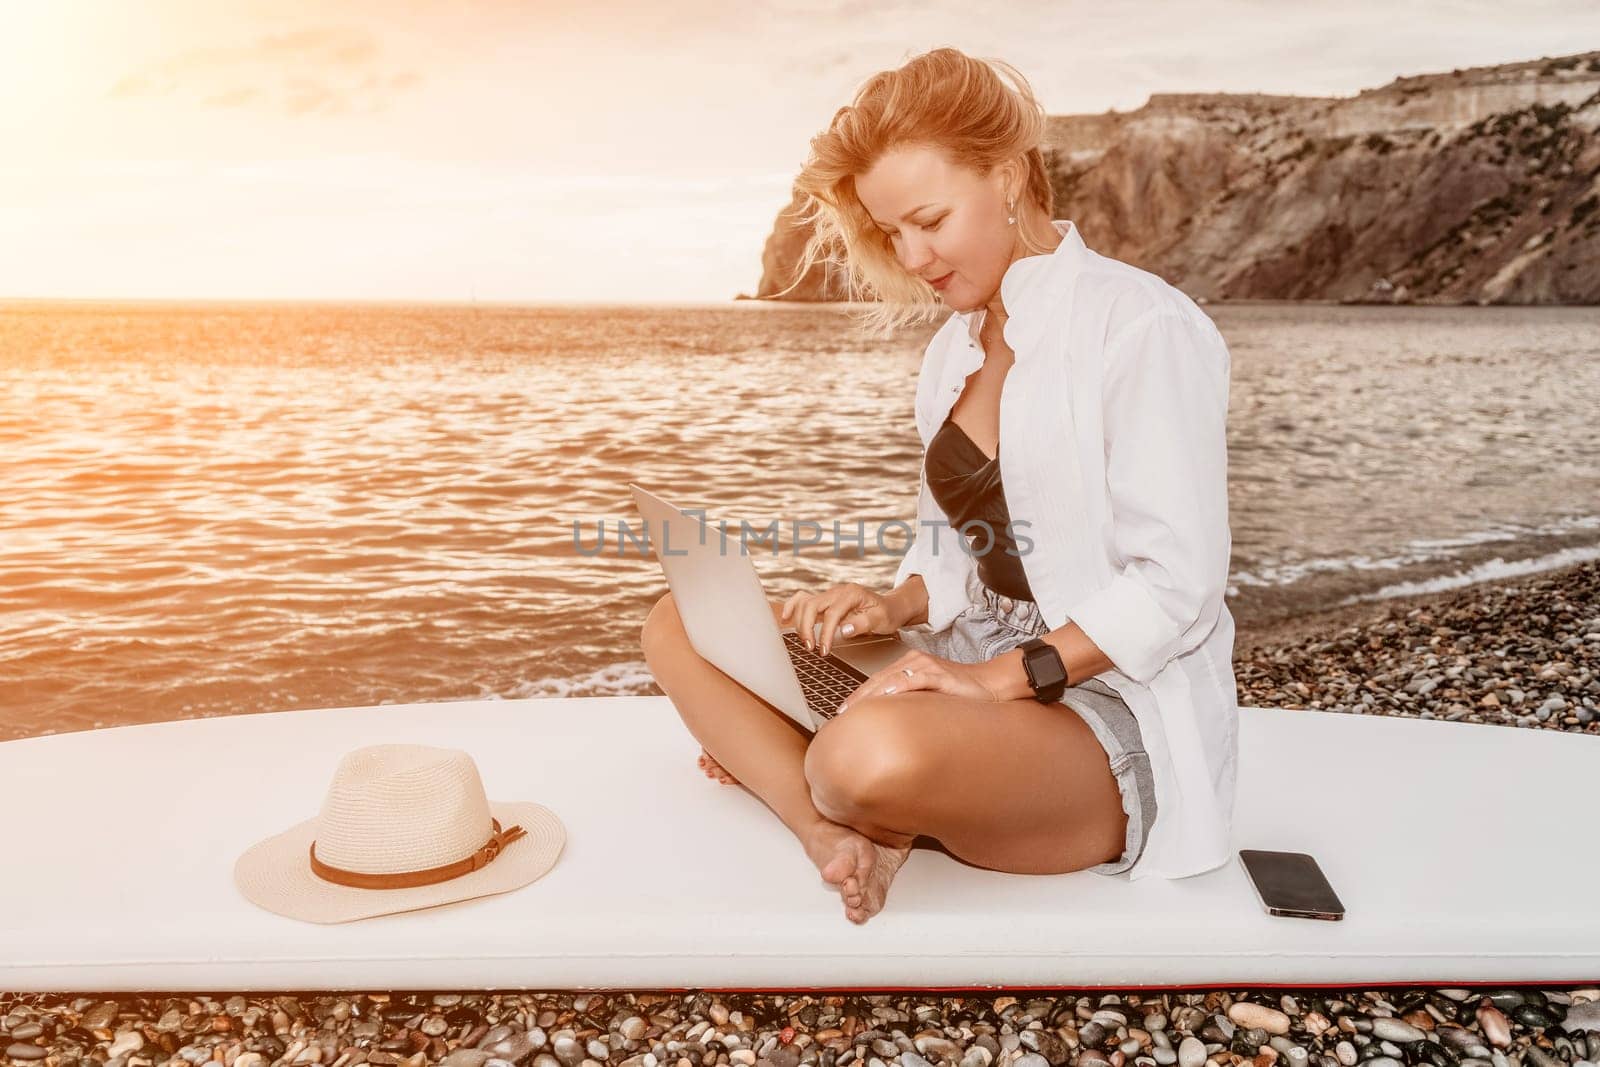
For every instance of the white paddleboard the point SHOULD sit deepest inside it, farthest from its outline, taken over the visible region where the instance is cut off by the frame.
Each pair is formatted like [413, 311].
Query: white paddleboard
[1462, 853]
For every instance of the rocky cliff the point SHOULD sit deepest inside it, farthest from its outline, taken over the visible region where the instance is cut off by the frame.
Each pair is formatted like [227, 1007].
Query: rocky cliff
[1474, 186]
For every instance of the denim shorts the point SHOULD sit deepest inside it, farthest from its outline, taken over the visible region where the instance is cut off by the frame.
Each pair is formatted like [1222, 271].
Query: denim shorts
[999, 624]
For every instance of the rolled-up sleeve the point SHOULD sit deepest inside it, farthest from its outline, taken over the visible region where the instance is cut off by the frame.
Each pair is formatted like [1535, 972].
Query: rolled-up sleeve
[1165, 399]
[938, 555]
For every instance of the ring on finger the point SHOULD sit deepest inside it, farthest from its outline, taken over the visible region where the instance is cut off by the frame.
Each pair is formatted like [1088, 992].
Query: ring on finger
[906, 671]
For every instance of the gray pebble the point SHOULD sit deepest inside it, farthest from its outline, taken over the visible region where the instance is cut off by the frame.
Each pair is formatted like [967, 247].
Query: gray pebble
[1191, 1052]
[1396, 1030]
[568, 1051]
[22, 1051]
[1457, 1039]
[494, 1034]
[1586, 1017]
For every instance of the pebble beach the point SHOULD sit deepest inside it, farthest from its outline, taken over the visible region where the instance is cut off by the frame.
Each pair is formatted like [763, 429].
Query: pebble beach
[1521, 651]
[1450, 1027]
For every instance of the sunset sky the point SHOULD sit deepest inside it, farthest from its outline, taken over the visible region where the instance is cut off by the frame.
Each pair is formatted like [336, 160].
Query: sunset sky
[553, 152]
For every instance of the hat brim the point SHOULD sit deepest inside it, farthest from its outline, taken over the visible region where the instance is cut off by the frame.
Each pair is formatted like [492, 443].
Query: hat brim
[276, 873]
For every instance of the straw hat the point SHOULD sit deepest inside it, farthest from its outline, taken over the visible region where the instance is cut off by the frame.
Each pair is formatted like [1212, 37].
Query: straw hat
[402, 827]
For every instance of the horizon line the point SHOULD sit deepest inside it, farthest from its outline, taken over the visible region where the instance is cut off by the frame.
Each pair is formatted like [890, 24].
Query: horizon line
[376, 301]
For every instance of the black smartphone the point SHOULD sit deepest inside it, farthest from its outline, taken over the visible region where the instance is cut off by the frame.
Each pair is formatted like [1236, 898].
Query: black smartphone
[1291, 883]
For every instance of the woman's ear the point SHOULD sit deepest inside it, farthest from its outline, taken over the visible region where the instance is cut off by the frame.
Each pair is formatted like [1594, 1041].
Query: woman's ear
[1016, 178]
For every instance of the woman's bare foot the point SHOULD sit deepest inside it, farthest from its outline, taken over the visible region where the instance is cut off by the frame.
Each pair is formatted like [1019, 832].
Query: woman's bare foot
[857, 866]
[715, 770]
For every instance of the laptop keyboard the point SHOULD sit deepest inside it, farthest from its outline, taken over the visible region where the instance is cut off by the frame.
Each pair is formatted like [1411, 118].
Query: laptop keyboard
[826, 681]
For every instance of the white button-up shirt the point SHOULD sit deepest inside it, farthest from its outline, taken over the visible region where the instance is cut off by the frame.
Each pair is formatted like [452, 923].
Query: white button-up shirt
[1113, 451]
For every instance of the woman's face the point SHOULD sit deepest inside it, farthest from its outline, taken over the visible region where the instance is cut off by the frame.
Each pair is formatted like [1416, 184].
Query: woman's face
[943, 222]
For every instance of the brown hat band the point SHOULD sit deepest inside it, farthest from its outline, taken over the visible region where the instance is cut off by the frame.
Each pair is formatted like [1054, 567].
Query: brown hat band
[431, 876]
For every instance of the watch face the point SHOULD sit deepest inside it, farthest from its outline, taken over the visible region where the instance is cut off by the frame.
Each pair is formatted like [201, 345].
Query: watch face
[1044, 667]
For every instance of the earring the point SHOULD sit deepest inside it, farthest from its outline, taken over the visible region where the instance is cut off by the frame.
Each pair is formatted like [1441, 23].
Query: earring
[1011, 212]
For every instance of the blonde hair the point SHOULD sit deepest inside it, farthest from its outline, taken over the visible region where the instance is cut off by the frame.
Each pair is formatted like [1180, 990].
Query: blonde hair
[977, 112]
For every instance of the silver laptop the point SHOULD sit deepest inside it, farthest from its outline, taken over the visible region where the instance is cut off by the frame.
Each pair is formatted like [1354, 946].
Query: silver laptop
[729, 621]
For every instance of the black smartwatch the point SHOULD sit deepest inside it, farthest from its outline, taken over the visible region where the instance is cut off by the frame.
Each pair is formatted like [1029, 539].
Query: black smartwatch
[1046, 673]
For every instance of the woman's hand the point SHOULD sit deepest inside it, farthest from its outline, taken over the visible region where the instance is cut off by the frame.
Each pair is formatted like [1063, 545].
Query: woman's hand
[921, 670]
[848, 607]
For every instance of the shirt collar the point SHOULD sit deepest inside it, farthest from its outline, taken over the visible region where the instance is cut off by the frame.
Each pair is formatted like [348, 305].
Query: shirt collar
[1025, 280]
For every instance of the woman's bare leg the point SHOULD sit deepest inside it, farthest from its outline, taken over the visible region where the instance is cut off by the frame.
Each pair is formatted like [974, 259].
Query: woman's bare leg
[765, 751]
[756, 743]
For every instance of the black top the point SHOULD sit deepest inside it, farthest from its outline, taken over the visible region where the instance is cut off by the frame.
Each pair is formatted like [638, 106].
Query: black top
[966, 484]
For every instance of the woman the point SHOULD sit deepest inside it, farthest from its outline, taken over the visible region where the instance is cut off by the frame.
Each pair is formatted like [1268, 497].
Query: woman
[1073, 512]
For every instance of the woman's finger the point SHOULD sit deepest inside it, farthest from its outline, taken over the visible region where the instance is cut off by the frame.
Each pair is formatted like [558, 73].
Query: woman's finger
[807, 620]
[796, 614]
[906, 679]
[895, 674]
[856, 621]
[833, 615]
